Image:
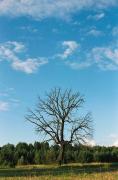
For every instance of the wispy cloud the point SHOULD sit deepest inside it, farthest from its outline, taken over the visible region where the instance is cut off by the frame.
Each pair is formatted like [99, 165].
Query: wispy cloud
[96, 16]
[39, 9]
[16, 46]
[115, 31]
[30, 29]
[4, 106]
[94, 32]
[70, 47]
[7, 105]
[9, 51]
[104, 58]
[8, 99]
[3, 94]
[78, 65]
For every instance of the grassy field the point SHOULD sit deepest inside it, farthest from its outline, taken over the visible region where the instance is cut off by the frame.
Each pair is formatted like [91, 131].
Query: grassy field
[65, 172]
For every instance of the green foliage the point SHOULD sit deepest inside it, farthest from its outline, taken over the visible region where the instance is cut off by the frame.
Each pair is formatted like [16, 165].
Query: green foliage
[37, 157]
[7, 157]
[42, 153]
[85, 156]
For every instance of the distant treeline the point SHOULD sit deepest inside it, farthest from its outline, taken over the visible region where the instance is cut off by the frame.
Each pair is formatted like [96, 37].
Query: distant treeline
[43, 153]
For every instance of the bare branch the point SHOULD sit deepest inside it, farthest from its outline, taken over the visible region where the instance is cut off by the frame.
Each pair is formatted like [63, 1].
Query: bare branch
[58, 111]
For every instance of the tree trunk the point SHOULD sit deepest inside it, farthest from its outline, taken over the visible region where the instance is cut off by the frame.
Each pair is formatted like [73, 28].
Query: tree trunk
[61, 154]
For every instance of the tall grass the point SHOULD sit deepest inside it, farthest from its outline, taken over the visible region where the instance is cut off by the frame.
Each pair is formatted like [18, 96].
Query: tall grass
[84, 176]
[66, 172]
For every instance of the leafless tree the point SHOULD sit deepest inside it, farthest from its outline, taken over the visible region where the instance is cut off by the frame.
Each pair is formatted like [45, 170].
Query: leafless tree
[58, 119]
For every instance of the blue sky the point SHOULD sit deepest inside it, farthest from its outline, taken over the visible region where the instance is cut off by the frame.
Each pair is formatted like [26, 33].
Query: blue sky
[68, 44]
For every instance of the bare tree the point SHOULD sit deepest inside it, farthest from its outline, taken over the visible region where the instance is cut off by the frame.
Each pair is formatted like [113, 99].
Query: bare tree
[56, 117]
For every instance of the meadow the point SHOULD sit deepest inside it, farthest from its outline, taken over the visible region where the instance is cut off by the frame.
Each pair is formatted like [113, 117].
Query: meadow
[96, 171]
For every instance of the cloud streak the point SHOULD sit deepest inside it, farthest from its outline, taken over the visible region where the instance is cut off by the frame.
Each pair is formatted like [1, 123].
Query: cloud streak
[39, 9]
[4, 106]
[96, 16]
[95, 32]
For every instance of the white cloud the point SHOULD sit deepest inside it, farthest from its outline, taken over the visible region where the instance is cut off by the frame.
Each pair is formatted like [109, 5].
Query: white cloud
[70, 46]
[96, 16]
[94, 32]
[28, 66]
[114, 139]
[4, 106]
[6, 52]
[39, 9]
[115, 143]
[90, 142]
[9, 52]
[106, 58]
[15, 46]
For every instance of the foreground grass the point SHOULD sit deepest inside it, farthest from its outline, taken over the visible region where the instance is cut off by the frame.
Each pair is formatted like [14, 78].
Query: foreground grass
[94, 176]
[66, 172]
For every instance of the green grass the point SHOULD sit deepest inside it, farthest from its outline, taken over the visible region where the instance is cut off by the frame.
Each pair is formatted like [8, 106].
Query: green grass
[68, 172]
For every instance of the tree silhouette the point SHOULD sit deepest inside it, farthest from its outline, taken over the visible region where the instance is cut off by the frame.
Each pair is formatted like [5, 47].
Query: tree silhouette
[57, 118]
